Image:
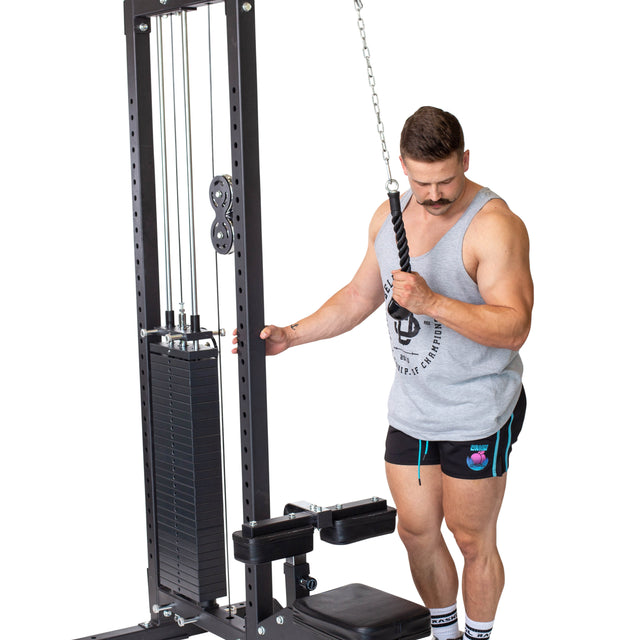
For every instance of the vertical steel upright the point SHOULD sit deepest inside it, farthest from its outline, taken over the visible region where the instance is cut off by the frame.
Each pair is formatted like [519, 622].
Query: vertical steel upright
[137, 31]
[243, 92]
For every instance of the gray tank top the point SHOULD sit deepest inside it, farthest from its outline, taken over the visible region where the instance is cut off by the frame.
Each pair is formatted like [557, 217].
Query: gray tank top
[446, 386]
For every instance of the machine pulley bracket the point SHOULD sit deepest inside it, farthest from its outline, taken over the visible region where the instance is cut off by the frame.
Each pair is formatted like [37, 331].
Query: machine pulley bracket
[221, 197]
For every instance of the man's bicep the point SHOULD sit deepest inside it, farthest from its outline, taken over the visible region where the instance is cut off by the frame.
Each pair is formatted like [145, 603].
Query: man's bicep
[367, 283]
[504, 275]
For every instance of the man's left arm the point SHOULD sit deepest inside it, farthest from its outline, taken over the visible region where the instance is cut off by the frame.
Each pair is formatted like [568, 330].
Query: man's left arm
[499, 245]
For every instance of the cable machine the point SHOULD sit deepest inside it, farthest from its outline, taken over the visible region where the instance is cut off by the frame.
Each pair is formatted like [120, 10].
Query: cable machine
[180, 386]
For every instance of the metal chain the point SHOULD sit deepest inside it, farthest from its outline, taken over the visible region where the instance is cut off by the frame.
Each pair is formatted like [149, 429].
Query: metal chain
[392, 184]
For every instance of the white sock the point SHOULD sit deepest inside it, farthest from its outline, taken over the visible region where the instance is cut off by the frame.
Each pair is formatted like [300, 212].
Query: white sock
[444, 623]
[477, 630]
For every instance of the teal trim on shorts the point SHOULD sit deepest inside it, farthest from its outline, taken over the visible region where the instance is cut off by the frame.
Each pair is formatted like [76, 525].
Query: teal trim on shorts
[495, 455]
[506, 453]
[421, 456]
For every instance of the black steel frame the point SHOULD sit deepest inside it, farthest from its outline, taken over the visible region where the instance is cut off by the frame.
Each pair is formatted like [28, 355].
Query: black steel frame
[242, 622]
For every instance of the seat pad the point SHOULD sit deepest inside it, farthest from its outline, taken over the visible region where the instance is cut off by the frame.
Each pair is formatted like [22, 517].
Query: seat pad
[359, 612]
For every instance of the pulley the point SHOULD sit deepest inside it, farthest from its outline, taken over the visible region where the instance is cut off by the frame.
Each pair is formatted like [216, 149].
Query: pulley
[221, 197]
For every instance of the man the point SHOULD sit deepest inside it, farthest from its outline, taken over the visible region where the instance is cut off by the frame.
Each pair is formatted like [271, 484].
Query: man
[457, 404]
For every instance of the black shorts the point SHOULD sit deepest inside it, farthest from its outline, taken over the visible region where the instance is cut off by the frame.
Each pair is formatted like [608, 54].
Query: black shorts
[470, 460]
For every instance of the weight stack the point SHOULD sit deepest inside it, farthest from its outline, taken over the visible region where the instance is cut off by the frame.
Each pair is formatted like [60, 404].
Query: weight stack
[188, 472]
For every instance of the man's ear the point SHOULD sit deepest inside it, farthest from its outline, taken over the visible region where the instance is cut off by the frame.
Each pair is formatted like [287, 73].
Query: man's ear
[465, 160]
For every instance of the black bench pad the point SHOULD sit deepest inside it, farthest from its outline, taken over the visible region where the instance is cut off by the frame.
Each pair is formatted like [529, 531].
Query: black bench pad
[360, 527]
[358, 612]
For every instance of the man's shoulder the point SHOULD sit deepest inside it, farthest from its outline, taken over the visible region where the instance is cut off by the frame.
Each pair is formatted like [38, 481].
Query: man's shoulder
[496, 217]
[496, 226]
[380, 215]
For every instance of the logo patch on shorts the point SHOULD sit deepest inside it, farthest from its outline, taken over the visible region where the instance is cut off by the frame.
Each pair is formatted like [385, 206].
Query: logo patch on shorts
[477, 459]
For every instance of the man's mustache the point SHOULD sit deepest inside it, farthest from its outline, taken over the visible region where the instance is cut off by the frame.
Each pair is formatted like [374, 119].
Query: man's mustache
[431, 203]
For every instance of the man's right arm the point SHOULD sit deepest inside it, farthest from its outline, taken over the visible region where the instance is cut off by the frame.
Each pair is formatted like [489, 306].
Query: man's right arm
[344, 310]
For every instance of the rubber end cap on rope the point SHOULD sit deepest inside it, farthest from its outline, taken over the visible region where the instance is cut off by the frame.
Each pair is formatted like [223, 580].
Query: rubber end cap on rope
[396, 311]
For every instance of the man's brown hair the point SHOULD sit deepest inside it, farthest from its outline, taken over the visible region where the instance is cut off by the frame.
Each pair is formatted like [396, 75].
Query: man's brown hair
[431, 134]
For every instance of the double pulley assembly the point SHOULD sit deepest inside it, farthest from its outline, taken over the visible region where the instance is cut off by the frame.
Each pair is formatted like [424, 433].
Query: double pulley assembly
[221, 197]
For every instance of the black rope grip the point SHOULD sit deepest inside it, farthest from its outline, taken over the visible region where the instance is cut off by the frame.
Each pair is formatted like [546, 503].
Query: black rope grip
[394, 309]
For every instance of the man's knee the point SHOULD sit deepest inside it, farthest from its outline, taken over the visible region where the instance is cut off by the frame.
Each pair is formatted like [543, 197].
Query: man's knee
[473, 543]
[418, 534]
[471, 511]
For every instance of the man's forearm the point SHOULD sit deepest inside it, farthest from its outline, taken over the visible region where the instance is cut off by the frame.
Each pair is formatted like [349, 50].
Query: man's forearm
[490, 325]
[341, 313]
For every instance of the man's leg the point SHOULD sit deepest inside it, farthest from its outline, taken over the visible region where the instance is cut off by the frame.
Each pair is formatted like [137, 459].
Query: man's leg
[420, 515]
[471, 509]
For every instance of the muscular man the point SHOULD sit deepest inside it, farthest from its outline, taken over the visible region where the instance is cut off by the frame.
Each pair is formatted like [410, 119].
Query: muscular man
[457, 404]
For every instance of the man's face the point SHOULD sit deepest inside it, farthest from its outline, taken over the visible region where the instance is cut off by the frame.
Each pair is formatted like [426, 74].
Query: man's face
[437, 185]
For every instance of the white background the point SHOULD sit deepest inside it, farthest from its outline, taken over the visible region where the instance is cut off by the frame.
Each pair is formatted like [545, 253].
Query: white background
[547, 95]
